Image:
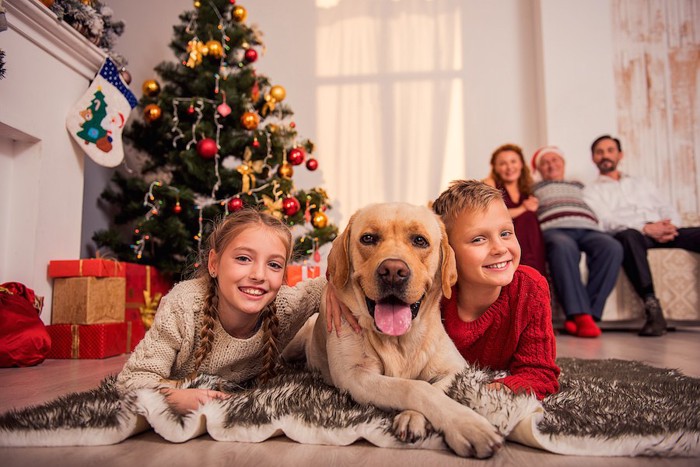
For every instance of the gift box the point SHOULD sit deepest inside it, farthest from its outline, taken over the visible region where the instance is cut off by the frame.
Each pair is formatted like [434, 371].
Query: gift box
[145, 286]
[135, 330]
[299, 272]
[88, 300]
[86, 267]
[88, 340]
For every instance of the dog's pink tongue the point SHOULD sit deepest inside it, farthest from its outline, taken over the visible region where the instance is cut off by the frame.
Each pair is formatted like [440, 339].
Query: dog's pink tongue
[392, 319]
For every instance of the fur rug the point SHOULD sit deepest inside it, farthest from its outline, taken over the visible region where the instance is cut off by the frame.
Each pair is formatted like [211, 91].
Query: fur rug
[604, 408]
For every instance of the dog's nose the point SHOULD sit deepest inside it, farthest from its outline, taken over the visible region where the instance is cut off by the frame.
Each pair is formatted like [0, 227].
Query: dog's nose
[393, 272]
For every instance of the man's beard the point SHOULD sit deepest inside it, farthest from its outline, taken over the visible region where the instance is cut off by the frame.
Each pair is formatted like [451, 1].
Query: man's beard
[605, 166]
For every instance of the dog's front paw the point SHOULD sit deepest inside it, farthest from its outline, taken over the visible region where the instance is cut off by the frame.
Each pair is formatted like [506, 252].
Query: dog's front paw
[474, 437]
[411, 426]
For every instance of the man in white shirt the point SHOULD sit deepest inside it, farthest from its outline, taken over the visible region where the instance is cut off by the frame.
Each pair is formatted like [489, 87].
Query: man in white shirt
[636, 214]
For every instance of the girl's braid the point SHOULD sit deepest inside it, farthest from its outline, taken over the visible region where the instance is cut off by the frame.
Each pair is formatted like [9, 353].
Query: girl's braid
[206, 334]
[270, 350]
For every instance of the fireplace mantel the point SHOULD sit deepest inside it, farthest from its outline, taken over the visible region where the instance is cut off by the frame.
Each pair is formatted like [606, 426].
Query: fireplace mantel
[48, 66]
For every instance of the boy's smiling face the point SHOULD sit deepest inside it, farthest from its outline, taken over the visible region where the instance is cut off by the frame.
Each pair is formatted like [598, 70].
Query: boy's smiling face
[485, 246]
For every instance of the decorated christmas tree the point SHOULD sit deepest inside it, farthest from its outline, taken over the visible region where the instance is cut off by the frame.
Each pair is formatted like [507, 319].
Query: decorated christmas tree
[216, 137]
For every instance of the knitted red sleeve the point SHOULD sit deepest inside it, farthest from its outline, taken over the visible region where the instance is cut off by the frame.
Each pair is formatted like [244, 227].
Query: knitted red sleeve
[533, 368]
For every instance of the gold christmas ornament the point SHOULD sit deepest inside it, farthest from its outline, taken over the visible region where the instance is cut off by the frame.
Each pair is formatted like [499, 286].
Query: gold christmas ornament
[151, 88]
[285, 170]
[197, 4]
[272, 128]
[278, 93]
[214, 49]
[151, 113]
[250, 120]
[320, 220]
[239, 14]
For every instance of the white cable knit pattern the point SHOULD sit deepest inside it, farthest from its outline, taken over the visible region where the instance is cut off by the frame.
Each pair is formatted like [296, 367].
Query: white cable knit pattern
[168, 349]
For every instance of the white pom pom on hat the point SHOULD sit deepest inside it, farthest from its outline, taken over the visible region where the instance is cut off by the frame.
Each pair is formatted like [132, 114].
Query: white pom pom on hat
[541, 152]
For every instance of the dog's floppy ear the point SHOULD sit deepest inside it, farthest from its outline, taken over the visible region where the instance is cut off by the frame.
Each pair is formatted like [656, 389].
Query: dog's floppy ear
[339, 258]
[448, 266]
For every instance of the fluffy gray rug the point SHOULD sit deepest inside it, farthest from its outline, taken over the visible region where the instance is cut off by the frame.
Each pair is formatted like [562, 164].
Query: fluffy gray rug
[604, 408]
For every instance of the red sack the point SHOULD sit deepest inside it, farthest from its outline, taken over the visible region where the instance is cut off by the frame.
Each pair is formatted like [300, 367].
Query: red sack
[24, 340]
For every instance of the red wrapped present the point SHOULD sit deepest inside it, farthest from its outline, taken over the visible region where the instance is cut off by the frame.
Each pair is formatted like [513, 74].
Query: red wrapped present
[87, 340]
[136, 329]
[86, 267]
[88, 300]
[299, 272]
[145, 286]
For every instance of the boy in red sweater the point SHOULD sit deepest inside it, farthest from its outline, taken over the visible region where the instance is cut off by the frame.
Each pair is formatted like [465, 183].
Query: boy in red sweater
[499, 315]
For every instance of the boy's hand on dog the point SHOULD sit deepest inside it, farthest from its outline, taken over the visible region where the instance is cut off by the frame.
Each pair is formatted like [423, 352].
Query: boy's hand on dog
[188, 400]
[335, 309]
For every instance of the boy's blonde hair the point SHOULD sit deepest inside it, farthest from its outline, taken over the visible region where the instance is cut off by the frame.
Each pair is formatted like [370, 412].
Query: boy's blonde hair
[464, 195]
[223, 233]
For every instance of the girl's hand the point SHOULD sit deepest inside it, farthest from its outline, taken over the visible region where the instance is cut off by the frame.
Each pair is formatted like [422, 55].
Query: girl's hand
[335, 309]
[531, 203]
[188, 400]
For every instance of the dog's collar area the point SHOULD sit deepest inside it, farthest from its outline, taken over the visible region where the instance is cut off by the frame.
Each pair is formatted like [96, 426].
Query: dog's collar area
[415, 307]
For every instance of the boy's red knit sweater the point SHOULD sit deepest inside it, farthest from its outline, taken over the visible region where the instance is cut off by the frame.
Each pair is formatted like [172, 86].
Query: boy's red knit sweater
[514, 334]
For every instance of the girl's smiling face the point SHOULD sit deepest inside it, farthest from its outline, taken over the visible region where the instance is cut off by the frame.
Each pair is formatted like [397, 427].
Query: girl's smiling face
[485, 246]
[249, 271]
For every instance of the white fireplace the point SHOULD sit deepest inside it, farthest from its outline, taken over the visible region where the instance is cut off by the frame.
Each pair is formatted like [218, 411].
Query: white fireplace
[48, 66]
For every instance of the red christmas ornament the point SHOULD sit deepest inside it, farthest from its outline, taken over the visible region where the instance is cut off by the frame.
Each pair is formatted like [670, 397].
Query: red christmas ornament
[177, 209]
[235, 204]
[256, 143]
[295, 156]
[312, 164]
[290, 205]
[250, 55]
[190, 110]
[206, 148]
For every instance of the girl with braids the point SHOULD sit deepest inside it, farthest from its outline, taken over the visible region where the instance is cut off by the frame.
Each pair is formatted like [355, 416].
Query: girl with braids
[229, 320]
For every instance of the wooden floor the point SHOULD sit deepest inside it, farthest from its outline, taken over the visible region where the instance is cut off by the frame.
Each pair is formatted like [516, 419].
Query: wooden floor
[20, 387]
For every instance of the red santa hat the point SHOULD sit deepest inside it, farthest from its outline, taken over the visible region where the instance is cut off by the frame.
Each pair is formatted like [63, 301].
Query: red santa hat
[541, 152]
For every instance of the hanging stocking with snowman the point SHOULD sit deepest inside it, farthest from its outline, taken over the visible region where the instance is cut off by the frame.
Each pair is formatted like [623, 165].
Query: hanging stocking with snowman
[96, 121]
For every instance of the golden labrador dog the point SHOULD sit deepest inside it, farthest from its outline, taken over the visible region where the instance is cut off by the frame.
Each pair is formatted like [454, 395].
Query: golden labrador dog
[390, 267]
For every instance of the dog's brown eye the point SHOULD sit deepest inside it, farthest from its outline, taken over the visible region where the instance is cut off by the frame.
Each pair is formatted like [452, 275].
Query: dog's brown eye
[369, 239]
[420, 241]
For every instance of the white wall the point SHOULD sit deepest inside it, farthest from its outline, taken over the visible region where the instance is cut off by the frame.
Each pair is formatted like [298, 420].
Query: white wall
[577, 79]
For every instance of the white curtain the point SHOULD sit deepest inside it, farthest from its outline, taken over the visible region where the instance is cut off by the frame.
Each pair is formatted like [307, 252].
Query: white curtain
[389, 99]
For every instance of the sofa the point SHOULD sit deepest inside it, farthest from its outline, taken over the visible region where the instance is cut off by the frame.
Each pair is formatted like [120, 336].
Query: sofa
[676, 281]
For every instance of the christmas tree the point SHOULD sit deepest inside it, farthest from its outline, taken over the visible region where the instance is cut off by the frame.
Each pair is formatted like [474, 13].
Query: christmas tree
[216, 137]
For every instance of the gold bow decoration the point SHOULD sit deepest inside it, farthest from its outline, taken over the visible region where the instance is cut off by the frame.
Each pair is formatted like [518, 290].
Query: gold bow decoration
[195, 49]
[248, 169]
[273, 207]
[149, 308]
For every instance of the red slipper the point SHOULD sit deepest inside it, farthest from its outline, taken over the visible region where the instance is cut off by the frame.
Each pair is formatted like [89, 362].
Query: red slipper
[570, 327]
[586, 327]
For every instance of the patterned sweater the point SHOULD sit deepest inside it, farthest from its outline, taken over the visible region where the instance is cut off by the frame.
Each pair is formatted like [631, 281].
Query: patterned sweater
[168, 349]
[562, 206]
[514, 334]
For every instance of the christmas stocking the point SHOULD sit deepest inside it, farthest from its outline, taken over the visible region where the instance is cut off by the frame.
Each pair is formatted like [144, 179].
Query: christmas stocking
[97, 119]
